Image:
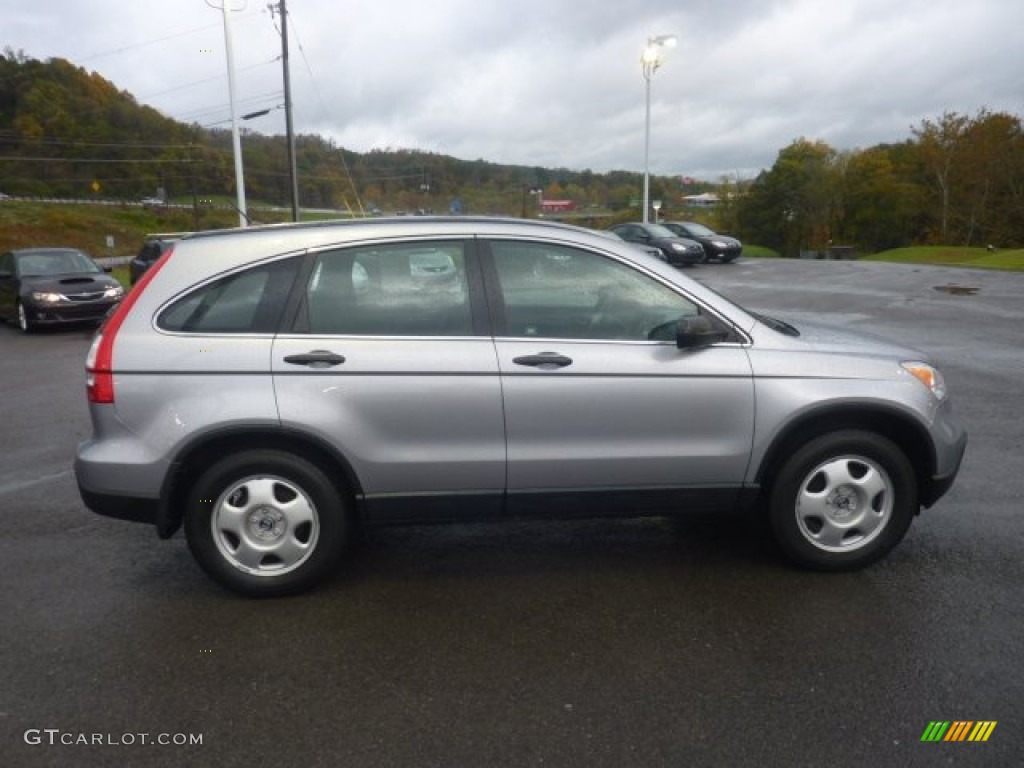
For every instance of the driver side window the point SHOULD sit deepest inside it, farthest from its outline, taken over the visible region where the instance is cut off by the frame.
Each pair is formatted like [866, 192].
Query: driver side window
[554, 292]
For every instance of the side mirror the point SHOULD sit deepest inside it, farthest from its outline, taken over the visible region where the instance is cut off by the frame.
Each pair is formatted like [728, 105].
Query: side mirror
[108, 270]
[697, 332]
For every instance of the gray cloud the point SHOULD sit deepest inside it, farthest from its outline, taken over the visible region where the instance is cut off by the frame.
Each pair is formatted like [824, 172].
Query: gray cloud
[558, 83]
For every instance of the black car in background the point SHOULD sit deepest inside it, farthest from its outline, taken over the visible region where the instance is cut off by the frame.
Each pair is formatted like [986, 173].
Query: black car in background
[152, 249]
[676, 250]
[50, 286]
[650, 250]
[716, 247]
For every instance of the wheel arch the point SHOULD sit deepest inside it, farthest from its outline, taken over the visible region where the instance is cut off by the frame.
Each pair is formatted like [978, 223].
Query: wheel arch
[193, 458]
[898, 427]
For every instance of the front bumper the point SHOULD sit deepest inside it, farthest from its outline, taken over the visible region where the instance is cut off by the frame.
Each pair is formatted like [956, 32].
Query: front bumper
[57, 314]
[685, 257]
[942, 482]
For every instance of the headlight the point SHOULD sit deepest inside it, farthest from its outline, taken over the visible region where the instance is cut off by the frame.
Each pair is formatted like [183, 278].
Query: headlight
[927, 375]
[678, 247]
[114, 292]
[719, 244]
[47, 298]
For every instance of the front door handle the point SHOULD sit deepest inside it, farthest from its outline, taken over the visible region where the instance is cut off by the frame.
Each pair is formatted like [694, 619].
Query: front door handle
[547, 361]
[318, 358]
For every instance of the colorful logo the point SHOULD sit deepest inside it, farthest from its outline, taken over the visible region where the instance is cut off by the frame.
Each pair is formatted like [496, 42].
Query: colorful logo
[958, 730]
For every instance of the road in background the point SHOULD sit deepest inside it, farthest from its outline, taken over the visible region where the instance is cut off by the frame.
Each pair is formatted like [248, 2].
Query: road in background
[611, 643]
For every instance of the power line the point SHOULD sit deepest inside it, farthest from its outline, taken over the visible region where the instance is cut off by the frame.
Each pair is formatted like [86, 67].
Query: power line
[198, 114]
[15, 139]
[94, 160]
[324, 111]
[183, 86]
[242, 16]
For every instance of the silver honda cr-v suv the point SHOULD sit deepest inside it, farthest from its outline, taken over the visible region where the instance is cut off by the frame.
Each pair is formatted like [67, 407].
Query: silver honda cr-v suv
[273, 387]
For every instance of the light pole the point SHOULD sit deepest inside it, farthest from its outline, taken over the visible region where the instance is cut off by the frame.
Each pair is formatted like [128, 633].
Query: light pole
[236, 142]
[649, 62]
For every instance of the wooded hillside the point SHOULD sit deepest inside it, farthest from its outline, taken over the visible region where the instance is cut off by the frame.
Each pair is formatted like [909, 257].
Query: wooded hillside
[957, 180]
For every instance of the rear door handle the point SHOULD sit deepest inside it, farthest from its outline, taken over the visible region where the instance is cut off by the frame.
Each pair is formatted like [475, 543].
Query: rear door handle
[318, 358]
[548, 361]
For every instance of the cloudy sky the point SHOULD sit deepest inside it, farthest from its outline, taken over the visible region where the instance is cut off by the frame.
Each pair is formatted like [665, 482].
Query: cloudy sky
[556, 83]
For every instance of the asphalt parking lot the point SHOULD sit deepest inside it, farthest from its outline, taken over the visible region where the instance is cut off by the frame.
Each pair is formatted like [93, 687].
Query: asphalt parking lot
[636, 643]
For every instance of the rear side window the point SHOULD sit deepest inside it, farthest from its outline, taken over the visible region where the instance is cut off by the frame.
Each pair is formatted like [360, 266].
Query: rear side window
[245, 302]
[401, 289]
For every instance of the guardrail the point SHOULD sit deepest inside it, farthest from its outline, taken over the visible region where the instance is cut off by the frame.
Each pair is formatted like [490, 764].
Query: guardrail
[112, 261]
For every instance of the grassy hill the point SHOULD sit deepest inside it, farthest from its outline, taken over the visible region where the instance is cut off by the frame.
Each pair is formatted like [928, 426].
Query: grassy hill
[81, 225]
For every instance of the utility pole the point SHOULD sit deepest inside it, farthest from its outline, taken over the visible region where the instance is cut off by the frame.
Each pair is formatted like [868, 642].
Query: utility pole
[282, 8]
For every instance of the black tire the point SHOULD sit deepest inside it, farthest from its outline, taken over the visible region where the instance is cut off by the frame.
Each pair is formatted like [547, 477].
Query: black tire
[842, 501]
[21, 316]
[266, 523]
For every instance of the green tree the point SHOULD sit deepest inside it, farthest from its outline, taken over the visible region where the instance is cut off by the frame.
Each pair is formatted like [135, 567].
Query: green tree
[879, 206]
[797, 204]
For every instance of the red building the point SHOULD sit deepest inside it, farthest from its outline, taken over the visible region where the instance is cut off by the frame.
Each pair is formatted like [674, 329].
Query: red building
[557, 206]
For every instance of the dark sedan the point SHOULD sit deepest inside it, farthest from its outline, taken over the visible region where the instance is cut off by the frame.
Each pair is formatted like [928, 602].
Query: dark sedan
[676, 250]
[49, 286]
[716, 247]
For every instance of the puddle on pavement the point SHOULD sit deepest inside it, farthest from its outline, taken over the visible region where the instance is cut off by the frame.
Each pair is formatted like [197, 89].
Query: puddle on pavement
[957, 290]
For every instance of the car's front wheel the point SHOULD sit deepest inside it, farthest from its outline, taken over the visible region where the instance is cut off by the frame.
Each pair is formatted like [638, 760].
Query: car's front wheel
[266, 523]
[24, 323]
[843, 500]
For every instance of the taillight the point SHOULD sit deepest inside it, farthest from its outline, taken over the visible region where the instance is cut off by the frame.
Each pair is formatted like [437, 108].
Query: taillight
[99, 364]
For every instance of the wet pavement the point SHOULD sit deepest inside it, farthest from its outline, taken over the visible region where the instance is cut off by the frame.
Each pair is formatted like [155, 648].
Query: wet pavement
[611, 643]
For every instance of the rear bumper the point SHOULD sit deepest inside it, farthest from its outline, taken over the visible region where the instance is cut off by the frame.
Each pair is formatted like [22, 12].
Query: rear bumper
[114, 487]
[131, 508]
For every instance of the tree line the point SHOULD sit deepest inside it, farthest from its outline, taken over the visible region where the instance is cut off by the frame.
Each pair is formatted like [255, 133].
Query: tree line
[959, 180]
[66, 132]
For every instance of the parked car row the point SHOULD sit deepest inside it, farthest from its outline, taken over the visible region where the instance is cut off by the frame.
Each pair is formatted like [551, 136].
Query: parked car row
[55, 286]
[681, 243]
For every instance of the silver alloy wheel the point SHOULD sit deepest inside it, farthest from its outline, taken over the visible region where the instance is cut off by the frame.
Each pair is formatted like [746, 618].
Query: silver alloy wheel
[844, 503]
[265, 525]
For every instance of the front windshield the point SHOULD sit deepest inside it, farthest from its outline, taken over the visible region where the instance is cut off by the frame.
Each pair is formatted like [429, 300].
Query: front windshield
[656, 230]
[700, 230]
[55, 262]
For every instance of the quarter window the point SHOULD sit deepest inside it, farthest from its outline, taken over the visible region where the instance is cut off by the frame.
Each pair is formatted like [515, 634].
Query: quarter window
[246, 302]
[407, 289]
[551, 291]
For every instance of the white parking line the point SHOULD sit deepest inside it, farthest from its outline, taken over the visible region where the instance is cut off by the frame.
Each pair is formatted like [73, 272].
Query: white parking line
[20, 485]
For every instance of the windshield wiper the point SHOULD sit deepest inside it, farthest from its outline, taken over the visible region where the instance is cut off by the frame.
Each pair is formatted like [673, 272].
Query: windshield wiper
[777, 325]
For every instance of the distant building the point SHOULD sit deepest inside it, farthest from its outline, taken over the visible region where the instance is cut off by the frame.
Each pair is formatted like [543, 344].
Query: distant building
[557, 206]
[704, 200]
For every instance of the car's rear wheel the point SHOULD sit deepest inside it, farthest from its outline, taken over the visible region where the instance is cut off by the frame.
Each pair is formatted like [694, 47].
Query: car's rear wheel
[266, 523]
[843, 500]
